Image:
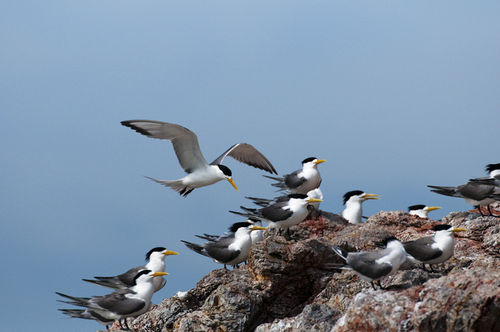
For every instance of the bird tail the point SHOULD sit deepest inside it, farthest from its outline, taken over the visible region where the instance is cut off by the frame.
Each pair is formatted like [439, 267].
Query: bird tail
[340, 252]
[280, 182]
[246, 215]
[77, 313]
[195, 247]
[176, 185]
[105, 282]
[259, 201]
[208, 237]
[447, 191]
[79, 301]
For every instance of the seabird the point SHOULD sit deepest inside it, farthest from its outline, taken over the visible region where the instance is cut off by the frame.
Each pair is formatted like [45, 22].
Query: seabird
[301, 181]
[156, 263]
[187, 149]
[421, 210]
[263, 202]
[232, 249]
[282, 214]
[374, 265]
[123, 303]
[256, 235]
[433, 249]
[353, 200]
[477, 192]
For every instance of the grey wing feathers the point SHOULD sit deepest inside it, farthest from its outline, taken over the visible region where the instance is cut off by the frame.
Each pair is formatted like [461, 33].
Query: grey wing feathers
[421, 249]
[365, 264]
[117, 302]
[249, 155]
[195, 247]
[185, 142]
[219, 250]
[276, 212]
[293, 181]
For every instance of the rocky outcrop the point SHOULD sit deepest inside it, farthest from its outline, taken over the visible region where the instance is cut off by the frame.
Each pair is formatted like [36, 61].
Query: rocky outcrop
[290, 285]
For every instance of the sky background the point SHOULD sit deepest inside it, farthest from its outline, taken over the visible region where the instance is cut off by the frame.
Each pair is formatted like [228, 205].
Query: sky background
[394, 95]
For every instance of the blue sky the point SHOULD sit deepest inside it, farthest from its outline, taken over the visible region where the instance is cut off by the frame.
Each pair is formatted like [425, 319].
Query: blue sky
[394, 95]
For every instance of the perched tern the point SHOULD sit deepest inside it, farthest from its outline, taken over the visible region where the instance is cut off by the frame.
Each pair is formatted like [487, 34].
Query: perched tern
[301, 181]
[256, 235]
[156, 263]
[282, 214]
[263, 202]
[187, 149]
[232, 249]
[353, 201]
[477, 192]
[433, 249]
[123, 303]
[421, 210]
[374, 265]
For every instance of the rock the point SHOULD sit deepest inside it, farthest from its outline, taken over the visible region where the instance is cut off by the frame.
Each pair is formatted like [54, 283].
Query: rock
[295, 284]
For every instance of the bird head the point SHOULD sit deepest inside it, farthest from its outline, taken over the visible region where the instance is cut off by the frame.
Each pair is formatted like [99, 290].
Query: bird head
[227, 174]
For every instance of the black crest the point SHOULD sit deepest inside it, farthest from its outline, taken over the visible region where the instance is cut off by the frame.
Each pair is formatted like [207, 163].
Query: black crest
[225, 170]
[441, 227]
[492, 167]
[349, 194]
[416, 207]
[234, 227]
[148, 254]
[299, 196]
[308, 160]
[140, 273]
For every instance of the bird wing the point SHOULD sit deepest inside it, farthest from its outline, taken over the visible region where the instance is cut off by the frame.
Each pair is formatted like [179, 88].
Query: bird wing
[276, 212]
[247, 154]
[293, 180]
[119, 303]
[219, 250]
[476, 191]
[185, 142]
[422, 250]
[365, 264]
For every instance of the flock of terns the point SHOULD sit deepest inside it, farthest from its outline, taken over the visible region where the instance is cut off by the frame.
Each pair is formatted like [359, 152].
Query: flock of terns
[133, 289]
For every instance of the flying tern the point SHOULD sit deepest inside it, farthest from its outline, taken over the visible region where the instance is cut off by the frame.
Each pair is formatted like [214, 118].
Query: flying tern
[187, 149]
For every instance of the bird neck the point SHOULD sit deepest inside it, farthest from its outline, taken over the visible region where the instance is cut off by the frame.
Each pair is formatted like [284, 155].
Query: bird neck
[144, 290]
[156, 264]
[419, 213]
[241, 239]
[353, 212]
[443, 239]
[309, 170]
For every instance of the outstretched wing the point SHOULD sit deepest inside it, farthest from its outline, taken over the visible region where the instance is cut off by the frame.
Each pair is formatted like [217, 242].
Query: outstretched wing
[185, 142]
[247, 154]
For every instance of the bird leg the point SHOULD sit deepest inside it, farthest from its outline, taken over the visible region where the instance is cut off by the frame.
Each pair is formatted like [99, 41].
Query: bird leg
[126, 324]
[423, 267]
[432, 269]
[225, 267]
[380, 284]
[489, 210]
[373, 285]
[478, 207]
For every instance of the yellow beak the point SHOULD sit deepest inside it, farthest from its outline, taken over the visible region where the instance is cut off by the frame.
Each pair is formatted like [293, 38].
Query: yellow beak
[432, 208]
[256, 228]
[158, 274]
[458, 230]
[169, 252]
[232, 182]
[371, 196]
[314, 200]
[319, 161]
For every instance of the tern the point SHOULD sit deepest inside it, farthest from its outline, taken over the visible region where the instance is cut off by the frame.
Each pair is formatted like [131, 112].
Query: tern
[421, 210]
[187, 149]
[433, 249]
[263, 202]
[123, 303]
[301, 181]
[232, 249]
[477, 192]
[353, 201]
[88, 314]
[374, 265]
[156, 263]
[256, 235]
[283, 214]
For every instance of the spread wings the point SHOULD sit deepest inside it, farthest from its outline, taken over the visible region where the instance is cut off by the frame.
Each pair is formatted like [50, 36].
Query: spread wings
[247, 154]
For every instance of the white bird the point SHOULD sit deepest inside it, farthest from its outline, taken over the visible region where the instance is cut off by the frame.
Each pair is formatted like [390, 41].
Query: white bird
[301, 181]
[353, 201]
[374, 265]
[477, 192]
[123, 303]
[155, 262]
[283, 214]
[256, 235]
[187, 149]
[263, 202]
[433, 249]
[421, 210]
[232, 249]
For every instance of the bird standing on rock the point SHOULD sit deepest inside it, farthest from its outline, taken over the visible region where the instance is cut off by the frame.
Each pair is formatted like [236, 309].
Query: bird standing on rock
[353, 201]
[187, 149]
[301, 181]
[421, 210]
